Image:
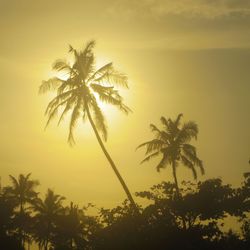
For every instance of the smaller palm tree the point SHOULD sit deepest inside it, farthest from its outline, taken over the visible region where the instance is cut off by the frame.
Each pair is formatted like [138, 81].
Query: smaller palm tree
[47, 212]
[173, 145]
[71, 232]
[22, 192]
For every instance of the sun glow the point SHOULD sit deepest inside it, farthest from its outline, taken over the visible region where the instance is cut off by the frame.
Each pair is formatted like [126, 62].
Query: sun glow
[110, 112]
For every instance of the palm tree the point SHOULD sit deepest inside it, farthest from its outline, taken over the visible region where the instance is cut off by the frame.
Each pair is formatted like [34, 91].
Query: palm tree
[46, 214]
[22, 192]
[71, 229]
[80, 92]
[172, 144]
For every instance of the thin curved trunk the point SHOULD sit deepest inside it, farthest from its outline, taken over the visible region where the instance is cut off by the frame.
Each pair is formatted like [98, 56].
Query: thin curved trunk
[111, 162]
[178, 191]
[175, 180]
[21, 233]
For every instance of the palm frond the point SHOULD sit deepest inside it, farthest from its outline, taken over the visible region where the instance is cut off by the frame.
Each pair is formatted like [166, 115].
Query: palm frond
[14, 181]
[61, 65]
[188, 131]
[101, 71]
[149, 157]
[57, 100]
[177, 121]
[172, 128]
[89, 64]
[71, 83]
[199, 164]
[189, 149]
[190, 165]
[73, 120]
[160, 134]
[154, 128]
[192, 157]
[69, 104]
[162, 163]
[109, 76]
[164, 121]
[191, 129]
[89, 47]
[99, 118]
[50, 85]
[72, 50]
[110, 96]
[152, 145]
[52, 113]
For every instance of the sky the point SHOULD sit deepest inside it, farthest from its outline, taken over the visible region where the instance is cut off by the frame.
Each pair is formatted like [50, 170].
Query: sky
[183, 56]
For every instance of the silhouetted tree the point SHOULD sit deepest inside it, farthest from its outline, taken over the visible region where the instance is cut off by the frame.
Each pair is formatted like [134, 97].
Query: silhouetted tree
[121, 229]
[9, 239]
[22, 192]
[70, 229]
[47, 212]
[244, 208]
[78, 95]
[172, 144]
[203, 205]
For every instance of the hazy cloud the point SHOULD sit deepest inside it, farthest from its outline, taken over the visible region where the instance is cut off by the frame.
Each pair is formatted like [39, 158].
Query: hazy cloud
[135, 23]
[208, 9]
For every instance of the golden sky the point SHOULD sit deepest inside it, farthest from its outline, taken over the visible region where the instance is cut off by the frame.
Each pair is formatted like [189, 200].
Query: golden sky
[186, 56]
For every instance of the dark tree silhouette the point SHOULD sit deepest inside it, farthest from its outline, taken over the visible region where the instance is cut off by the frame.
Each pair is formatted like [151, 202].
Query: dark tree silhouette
[172, 144]
[78, 95]
[70, 232]
[22, 192]
[8, 237]
[47, 212]
[205, 205]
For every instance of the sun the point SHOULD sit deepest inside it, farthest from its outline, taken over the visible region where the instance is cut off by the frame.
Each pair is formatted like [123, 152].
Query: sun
[110, 112]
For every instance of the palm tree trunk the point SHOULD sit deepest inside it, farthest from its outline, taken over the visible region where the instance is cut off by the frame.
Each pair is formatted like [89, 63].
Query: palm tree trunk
[111, 162]
[178, 191]
[175, 180]
[21, 233]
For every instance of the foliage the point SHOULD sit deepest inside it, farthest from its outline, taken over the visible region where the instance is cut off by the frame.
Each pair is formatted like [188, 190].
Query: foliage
[204, 205]
[84, 85]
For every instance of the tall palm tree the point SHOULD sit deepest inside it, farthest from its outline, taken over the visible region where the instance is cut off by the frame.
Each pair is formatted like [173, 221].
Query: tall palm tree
[80, 92]
[173, 145]
[46, 213]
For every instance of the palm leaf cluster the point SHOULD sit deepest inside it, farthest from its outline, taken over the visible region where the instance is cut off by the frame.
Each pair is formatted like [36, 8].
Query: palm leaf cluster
[172, 143]
[22, 191]
[82, 88]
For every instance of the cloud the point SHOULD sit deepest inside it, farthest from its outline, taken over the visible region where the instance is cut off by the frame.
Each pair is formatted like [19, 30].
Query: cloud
[208, 9]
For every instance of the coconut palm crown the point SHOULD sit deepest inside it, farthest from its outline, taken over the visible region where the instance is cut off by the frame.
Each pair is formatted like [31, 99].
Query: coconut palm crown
[22, 190]
[78, 93]
[173, 145]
